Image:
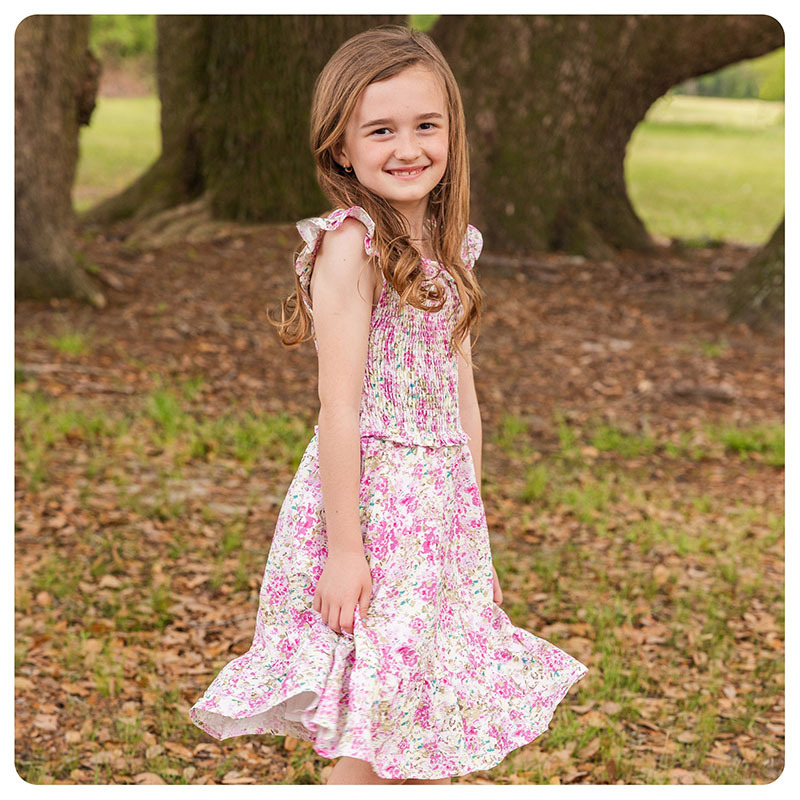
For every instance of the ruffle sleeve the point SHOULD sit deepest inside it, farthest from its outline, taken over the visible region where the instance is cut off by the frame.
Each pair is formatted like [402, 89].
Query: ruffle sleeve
[472, 246]
[311, 228]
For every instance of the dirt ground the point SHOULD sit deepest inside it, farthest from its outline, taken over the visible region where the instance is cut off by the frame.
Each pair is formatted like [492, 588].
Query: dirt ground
[625, 340]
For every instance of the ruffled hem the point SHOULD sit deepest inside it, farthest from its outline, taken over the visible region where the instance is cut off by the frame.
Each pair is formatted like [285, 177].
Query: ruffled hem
[301, 700]
[306, 703]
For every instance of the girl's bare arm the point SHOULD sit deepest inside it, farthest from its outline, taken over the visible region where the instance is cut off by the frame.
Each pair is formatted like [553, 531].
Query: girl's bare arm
[470, 414]
[342, 285]
[468, 408]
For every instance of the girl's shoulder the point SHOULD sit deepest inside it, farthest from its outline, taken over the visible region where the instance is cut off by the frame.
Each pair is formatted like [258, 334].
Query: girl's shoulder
[311, 227]
[311, 230]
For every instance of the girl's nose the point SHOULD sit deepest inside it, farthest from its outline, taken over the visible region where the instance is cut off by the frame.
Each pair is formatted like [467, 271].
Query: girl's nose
[407, 147]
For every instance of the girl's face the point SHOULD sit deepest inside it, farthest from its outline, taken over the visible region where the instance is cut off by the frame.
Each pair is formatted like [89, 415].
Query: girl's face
[399, 125]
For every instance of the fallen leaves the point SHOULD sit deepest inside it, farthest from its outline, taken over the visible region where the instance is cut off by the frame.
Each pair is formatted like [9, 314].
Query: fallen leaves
[150, 616]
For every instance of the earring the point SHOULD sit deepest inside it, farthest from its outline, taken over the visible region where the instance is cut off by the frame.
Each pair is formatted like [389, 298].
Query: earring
[348, 170]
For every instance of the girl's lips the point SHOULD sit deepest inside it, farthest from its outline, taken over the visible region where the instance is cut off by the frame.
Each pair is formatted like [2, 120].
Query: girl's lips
[407, 177]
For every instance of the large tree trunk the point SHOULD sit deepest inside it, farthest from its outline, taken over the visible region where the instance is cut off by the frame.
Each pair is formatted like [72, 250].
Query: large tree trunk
[756, 293]
[235, 109]
[551, 103]
[55, 84]
[261, 72]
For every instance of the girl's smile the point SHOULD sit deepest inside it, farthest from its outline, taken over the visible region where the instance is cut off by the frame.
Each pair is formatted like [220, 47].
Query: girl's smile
[407, 174]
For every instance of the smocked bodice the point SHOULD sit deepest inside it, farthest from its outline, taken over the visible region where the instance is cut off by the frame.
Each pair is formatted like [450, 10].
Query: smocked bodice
[410, 389]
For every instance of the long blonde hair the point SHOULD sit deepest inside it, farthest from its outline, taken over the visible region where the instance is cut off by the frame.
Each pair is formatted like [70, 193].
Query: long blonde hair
[371, 56]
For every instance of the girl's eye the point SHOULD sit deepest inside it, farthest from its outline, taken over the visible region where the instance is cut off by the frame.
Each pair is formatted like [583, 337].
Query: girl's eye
[432, 124]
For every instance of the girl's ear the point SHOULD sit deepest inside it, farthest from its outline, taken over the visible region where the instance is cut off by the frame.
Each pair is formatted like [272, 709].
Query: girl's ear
[338, 155]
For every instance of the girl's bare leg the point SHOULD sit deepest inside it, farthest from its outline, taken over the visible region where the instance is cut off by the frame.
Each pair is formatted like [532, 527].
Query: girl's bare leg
[356, 771]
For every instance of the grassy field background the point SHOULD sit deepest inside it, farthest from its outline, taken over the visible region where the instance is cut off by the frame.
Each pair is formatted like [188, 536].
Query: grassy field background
[697, 168]
[709, 168]
[124, 138]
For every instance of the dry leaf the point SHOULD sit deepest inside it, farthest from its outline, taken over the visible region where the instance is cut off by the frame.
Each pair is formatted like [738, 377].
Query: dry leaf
[148, 778]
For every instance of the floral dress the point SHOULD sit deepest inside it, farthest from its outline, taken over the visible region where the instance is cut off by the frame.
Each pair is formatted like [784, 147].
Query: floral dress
[437, 681]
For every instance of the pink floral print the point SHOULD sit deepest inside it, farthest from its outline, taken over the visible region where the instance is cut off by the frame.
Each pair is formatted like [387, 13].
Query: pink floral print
[437, 681]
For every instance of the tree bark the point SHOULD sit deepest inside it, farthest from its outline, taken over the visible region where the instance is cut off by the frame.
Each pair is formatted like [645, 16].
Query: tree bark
[756, 295]
[551, 103]
[55, 84]
[236, 101]
[261, 73]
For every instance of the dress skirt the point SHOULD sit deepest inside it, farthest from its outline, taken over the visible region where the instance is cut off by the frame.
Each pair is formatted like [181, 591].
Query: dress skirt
[437, 681]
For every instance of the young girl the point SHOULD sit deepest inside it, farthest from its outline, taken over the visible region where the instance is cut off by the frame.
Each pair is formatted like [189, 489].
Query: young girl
[379, 636]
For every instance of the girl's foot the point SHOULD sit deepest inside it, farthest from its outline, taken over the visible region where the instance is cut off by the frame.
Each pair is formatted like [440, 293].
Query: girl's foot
[351, 771]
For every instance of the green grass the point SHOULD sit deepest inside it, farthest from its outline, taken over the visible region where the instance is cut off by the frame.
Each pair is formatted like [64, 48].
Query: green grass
[768, 440]
[629, 445]
[715, 112]
[696, 168]
[72, 344]
[513, 433]
[246, 436]
[709, 168]
[624, 565]
[656, 537]
[123, 139]
[43, 423]
[169, 420]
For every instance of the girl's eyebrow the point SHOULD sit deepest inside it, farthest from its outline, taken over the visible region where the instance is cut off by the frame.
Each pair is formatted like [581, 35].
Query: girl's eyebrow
[429, 115]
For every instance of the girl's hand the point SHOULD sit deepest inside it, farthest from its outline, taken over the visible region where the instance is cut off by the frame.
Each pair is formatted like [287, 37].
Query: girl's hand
[498, 592]
[345, 581]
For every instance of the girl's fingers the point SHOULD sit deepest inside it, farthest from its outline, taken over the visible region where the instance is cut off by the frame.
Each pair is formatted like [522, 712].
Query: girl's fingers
[333, 617]
[341, 618]
[346, 619]
[363, 601]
